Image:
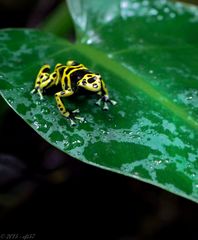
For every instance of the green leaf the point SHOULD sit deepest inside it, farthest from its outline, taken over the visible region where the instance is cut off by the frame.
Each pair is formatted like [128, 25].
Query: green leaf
[147, 52]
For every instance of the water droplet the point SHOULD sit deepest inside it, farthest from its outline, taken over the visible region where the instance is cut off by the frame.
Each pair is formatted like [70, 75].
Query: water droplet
[78, 153]
[145, 3]
[163, 2]
[158, 162]
[10, 100]
[151, 167]
[1, 76]
[45, 110]
[151, 71]
[193, 175]
[189, 98]
[102, 131]
[166, 10]
[66, 143]
[89, 41]
[135, 5]
[124, 4]
[172, 15]
[153, 12]
[76, 142]
[36, 124]
[136, 174]
[160, 18]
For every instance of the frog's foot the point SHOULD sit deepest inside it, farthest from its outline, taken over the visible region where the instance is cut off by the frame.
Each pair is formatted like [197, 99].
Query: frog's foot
[39, 91]
[72, 117]
[105, 100]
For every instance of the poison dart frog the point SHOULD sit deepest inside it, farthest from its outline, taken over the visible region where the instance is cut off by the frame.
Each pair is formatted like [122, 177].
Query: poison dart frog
[70, 78]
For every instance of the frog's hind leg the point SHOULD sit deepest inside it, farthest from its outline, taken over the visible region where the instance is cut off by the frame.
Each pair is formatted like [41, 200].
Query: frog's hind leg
[42, 75]
[41, 79]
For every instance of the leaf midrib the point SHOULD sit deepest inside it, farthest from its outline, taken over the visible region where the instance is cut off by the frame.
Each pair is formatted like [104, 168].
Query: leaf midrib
[152, 47]
[136, 81]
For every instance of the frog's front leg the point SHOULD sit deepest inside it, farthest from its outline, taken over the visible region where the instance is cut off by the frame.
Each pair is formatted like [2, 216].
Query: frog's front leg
[68, 114]
[104, 97]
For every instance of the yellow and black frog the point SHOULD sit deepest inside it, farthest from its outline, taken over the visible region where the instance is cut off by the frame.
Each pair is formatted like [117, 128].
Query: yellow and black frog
[70, 78]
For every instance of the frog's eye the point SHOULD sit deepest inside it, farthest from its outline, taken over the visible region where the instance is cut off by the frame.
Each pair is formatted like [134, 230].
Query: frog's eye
[95, 85]
[91, 80]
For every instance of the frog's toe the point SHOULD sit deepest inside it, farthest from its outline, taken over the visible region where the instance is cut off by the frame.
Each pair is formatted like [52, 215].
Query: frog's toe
[39, 91]
[72, 122]
[73, 118]
[81, 119]
[99, 102]
[113, 102]
[33, 91]
[105, 107]
[76, 111]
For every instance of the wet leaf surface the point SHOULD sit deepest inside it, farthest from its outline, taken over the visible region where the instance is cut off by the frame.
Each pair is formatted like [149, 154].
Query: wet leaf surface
[147, 53]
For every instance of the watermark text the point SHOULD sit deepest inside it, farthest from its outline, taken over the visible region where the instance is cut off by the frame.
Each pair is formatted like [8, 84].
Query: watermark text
[18, 236]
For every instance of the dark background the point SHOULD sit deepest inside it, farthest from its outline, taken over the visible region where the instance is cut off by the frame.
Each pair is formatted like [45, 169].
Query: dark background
[49, 194]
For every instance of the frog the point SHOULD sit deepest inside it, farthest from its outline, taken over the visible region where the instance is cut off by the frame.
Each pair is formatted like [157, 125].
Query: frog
[71, 77]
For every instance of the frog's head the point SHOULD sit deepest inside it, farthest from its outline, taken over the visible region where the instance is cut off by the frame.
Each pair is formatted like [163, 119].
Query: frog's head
[90, 82]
